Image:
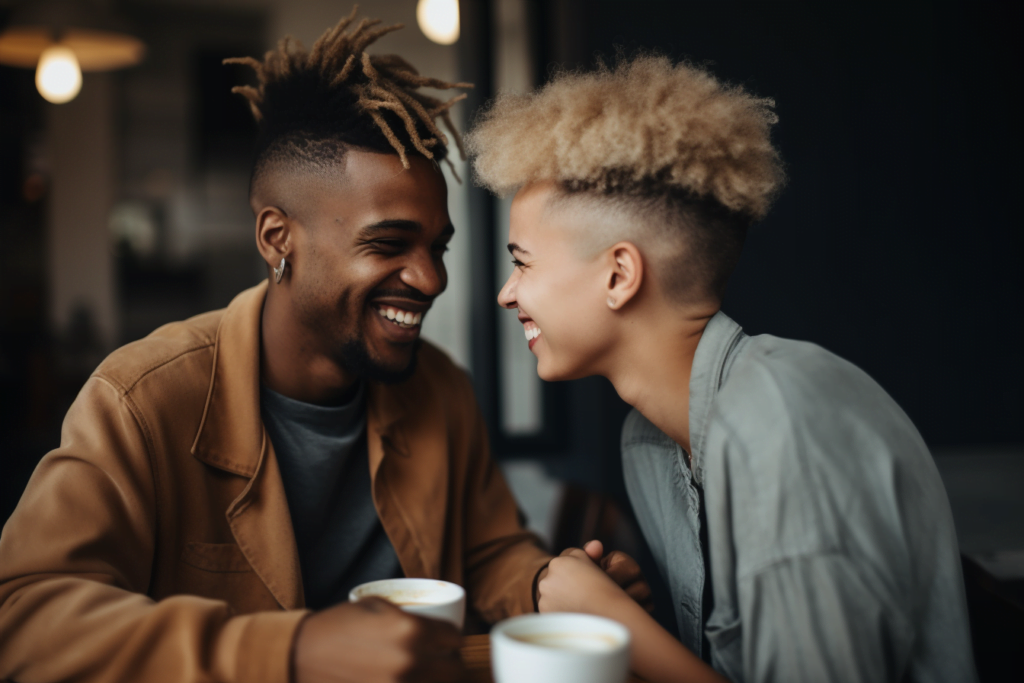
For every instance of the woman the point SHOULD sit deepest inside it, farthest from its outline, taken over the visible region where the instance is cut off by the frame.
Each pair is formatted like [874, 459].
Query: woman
[791, 506]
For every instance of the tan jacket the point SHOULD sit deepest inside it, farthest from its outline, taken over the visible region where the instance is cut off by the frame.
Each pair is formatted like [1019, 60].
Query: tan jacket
[155, 543]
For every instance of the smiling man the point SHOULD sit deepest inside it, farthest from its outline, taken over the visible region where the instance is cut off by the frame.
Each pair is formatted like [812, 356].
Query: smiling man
[221, 478]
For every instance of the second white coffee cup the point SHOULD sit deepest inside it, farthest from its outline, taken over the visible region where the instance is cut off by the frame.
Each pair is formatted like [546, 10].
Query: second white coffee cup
[425, 597]
[559, 648]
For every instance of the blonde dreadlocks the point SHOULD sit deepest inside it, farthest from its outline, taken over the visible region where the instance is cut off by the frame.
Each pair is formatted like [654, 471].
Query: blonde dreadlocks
[313, 105]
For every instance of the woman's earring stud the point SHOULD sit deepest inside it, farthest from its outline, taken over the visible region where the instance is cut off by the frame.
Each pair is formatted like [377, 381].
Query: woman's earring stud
[279, 271]
[611, 302]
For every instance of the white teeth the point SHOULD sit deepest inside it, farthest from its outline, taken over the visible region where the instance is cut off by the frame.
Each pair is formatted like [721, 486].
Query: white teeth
[532, 333]
[403, 318]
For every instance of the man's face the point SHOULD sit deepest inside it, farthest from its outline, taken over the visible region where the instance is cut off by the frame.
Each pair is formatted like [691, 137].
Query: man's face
[557, 288]
[369, 262]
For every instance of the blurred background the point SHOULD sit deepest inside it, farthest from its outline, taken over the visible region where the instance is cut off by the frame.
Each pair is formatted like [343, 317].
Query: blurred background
[897, 244]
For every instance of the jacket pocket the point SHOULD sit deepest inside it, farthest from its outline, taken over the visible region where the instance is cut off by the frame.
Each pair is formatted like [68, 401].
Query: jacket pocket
[215, 557]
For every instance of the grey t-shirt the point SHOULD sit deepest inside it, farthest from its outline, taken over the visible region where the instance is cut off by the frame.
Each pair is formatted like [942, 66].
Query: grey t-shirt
[831, 541]
[321, 452]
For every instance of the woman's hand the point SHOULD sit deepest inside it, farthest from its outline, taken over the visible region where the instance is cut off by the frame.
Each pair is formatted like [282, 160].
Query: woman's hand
[575, 582]
[580, 580]
[622, 569]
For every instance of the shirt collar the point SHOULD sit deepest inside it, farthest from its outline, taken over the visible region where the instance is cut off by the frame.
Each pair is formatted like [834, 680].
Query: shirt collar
[717, 349]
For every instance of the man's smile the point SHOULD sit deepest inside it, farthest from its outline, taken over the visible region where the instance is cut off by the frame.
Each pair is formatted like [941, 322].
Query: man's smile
[400, 317]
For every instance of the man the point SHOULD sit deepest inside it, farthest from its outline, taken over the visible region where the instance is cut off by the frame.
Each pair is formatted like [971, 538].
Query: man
[791, 505]
[220, 478]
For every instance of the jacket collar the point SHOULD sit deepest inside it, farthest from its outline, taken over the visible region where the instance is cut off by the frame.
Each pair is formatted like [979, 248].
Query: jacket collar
[718, 348]
[230, 434]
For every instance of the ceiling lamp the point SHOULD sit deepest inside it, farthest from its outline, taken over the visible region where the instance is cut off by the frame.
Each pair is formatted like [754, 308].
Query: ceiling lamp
[60, 39]
[439, 20]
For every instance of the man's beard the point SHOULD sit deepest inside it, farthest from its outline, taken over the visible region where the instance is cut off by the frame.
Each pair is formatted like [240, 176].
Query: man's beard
[355, 357]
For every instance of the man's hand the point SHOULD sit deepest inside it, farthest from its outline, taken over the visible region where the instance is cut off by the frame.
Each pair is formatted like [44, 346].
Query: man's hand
[624, 571]
[374, 641]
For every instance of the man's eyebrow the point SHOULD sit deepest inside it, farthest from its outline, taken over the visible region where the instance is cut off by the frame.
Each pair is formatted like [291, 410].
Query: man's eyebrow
[391, 224]
[402, 224]
[513, 248]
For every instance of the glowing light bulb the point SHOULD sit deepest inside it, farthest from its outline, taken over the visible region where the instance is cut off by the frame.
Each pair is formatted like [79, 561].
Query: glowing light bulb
[439, 20]
[58, 76]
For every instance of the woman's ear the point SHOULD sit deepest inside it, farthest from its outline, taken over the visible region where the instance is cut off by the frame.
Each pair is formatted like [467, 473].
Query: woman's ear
[273, 235]
[626, 274]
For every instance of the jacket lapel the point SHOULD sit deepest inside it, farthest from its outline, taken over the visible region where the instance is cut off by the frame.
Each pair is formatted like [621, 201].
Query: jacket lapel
[407, 444]
[231, 437]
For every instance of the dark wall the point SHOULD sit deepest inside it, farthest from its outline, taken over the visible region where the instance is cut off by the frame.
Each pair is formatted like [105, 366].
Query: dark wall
[897, 243]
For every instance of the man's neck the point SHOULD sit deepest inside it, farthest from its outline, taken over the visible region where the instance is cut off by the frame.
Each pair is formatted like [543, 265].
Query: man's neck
[291, 362]
[651, 371]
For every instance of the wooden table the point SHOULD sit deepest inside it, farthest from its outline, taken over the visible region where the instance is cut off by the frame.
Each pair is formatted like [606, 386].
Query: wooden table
[476, 655]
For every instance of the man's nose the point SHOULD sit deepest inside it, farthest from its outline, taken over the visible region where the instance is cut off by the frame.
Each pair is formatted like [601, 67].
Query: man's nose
[426, 274]
[507, 295]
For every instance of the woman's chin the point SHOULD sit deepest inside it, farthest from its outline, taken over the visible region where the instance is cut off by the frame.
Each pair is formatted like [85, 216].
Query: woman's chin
[551, 372]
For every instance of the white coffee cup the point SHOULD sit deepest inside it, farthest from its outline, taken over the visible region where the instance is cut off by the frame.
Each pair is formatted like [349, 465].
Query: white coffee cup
[559, 648]
[425, 597]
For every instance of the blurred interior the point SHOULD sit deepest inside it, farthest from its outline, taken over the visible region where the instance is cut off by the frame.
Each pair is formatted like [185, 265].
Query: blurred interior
[895, 244]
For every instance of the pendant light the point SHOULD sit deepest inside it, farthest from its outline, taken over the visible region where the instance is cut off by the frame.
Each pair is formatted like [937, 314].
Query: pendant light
[60, 39]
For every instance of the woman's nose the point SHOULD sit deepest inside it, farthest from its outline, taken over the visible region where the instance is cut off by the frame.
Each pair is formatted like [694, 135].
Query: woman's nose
[507, 295]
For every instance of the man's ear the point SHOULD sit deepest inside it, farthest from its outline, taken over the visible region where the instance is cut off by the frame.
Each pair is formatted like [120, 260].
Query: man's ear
[625, 275]
[273, 235]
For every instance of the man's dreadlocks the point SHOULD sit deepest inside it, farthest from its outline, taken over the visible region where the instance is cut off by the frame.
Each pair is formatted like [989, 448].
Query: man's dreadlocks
[313, 105]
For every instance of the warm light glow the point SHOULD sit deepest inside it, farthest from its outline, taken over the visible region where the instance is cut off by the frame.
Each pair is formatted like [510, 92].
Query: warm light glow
[58, 77]
[439, 20]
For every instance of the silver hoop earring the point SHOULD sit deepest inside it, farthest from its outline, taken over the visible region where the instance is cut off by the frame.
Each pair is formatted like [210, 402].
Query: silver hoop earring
[279, 271]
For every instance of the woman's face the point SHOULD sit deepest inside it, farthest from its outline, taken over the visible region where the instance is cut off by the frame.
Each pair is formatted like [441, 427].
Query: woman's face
[558, 288]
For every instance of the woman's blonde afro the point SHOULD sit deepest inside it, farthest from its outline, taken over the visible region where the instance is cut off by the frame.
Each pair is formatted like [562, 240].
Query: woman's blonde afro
[644, 125]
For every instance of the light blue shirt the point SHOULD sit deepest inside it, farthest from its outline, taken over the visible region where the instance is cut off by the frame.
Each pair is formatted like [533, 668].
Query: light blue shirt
[833, 555]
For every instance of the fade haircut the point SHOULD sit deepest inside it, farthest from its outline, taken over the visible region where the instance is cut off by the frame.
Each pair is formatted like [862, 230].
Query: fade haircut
[313, 106]
[669, 145]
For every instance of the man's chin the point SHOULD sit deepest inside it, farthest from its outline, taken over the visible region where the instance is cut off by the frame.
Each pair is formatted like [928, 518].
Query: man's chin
[357, 359]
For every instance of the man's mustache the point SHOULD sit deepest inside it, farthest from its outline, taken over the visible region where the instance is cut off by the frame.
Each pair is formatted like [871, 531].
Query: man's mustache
[411, 294]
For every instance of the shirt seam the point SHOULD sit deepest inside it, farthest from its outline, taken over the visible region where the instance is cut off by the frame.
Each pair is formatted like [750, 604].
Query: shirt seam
[127, 388]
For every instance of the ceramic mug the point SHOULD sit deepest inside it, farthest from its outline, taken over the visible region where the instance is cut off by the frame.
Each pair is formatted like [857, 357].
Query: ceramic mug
[559, 648]
[425, 597]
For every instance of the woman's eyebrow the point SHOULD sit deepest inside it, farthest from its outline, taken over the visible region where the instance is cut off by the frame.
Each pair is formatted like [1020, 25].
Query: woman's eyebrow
[513, 248]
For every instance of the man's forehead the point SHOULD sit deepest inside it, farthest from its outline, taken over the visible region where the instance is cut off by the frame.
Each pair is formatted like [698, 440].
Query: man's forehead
[377, 184]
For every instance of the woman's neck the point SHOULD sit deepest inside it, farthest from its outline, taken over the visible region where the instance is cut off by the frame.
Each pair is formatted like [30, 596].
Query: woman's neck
[651, 371]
